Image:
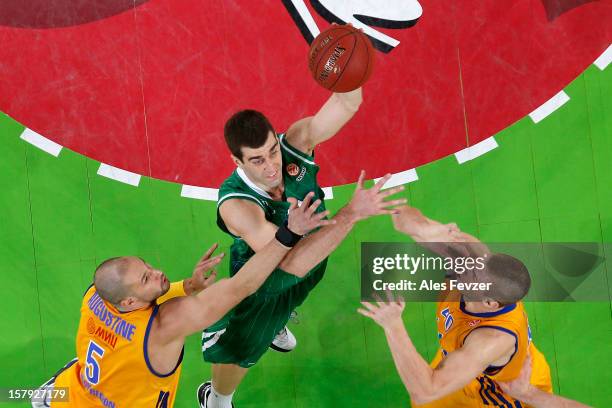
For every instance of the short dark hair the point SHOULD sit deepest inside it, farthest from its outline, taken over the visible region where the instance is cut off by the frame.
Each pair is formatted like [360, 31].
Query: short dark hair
[510, 278]
[246, 128]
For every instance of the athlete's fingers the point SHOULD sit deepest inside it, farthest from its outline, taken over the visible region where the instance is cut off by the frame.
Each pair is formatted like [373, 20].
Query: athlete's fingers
[391, 191]
[365, 313]
[209, 263]
[369, 306]
[400, 301]
[378, 299]
[321, 215]
[211, 276]
[383, 211]
[452, 227]
[311, 210]
[360, 180]
[394, 203]
[389, 296]
[306, 202]
[292, 204]
[209, 252]
[379, 185]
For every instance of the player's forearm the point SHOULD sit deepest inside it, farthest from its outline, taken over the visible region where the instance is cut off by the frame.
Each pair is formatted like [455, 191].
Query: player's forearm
[351, 100]
[259, 267]
[541, 399]
[314, 248]
[414, 371]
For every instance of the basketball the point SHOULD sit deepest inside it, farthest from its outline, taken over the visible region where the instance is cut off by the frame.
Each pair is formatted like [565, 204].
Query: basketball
[341, 58]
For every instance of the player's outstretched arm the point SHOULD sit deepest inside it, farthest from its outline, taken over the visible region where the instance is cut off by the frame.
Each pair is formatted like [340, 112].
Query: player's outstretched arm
[183, 316]
[444, 239]
[306, 133]
[423, 383]
[365, 203]
[522, 390]
[246, 219]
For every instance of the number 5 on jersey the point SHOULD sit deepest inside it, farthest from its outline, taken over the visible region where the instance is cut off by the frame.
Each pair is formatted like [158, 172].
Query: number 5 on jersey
[92, 370]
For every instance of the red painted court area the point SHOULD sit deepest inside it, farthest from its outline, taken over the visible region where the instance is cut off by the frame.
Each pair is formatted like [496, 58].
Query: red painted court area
[147, 88]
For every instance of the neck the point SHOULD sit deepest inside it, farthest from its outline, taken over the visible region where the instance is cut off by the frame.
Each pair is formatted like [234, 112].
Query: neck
[277, 192]
[479, 307]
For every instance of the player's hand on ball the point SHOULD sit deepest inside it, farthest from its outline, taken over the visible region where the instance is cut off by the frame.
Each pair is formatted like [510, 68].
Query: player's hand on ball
[304, 218]
[386, 314]
[204, 273]
[369, 202]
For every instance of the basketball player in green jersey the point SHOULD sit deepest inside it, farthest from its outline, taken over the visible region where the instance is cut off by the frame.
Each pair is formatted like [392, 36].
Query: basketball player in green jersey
[252, 204]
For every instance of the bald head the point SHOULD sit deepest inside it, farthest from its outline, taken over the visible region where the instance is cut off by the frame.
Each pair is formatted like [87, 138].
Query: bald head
[109, 280]
[509, 277]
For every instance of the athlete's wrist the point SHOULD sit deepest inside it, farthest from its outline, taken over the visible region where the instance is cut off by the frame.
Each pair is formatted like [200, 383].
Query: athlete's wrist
[286, 237]
[394, 325]
[347, 215]
[188, 286]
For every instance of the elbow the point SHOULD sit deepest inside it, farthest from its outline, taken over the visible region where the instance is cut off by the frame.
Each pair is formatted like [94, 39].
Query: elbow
[422, 397]
[293, 269]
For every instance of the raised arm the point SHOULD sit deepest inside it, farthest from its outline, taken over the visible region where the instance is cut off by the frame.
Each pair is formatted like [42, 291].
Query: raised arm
[306, 133]
[251, 225]
[426, 384]
[443, 239]
[185, 315]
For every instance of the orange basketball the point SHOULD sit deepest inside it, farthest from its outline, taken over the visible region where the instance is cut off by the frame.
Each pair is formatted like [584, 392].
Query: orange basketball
[341, 58]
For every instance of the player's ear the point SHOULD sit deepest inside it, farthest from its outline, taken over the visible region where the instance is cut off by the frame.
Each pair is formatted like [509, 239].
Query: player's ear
[236, 160]
[491, 304]
[127, 302]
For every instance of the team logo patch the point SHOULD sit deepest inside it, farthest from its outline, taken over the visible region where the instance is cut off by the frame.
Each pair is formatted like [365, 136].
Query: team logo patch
[293, 169]
[474, 323]
[91, 326]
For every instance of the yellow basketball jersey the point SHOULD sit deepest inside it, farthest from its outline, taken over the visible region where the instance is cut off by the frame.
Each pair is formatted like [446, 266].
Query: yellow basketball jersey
[455, 323]
[113, 368]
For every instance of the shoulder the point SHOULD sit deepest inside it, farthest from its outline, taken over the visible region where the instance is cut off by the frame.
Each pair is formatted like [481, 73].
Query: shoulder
[242, 215]
[294, 151]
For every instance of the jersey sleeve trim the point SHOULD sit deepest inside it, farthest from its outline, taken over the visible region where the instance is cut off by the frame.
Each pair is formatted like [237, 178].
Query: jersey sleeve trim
[146, 348]
[492, 370]
[295, 152]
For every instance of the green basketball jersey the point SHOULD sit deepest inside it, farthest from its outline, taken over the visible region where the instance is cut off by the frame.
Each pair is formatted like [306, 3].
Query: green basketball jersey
[299, 176]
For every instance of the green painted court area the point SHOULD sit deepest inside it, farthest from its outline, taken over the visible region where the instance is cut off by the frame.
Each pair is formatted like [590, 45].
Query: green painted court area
[546, 182]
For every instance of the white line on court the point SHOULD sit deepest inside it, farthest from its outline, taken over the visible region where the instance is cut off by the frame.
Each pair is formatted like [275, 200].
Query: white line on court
[199, 193]
[480, 148]
[604, 59]
[403, 177]
[121, 175]
[549, 107]
[329, 192]
[41, 142]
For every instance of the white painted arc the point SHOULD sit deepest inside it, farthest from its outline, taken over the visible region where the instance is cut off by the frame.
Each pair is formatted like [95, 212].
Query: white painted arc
[329, 192]
[604, 59]
[41, 142]
[398, 179]
[118, 174]
[549, 107]
[200, 193]
[477, 150]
